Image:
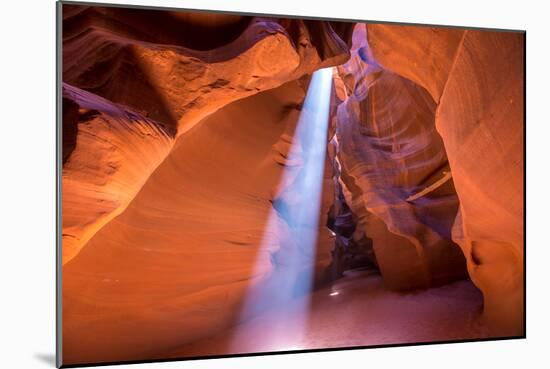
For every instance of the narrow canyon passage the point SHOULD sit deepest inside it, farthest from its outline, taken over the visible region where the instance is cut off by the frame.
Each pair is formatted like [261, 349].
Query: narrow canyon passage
[235, 250]
[294, 184]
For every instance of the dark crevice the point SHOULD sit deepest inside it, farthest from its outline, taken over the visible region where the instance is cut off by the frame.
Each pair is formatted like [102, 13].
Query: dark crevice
[209, 31]
[69, 127]
[349, 252]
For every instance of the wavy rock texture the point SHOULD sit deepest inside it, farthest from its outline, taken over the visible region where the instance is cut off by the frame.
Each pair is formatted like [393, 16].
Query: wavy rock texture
[422, 54]
[175, 266]
[480, 118]
[389, 149]
[177, 128]
[478, 80]
[173, 69]
[108, 150]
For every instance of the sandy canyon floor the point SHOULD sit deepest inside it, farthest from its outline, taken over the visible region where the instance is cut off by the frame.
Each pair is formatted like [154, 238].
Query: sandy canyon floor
[451, 312]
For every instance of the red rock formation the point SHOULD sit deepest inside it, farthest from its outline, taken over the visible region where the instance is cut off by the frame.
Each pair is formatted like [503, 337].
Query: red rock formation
[174, 70]
[177, 128]
[477, 78]
[422, 54]
[389, 149]
[175, 266]
[480, 118]
[108, 152]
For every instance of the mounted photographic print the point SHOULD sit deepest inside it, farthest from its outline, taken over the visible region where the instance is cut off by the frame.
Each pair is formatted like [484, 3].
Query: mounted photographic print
[243, 184]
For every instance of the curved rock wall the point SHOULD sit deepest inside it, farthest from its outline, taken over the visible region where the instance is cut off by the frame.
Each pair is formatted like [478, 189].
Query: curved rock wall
[480, 118]
[108, 150]
[477, 78]
[422, 54]
[178, 263]
[389, 150]
[174, 145]
[148, 62]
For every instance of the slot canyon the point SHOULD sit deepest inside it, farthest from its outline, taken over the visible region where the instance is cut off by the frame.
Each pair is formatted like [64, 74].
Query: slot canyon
[238, 184]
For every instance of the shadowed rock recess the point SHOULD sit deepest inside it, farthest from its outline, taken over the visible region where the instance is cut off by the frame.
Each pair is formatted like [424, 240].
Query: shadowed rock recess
[180, 159]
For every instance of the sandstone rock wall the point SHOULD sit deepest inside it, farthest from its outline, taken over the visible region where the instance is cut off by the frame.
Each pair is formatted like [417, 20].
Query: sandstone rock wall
[389, 149]
[476, 77]
[480, 118]
[178, 263]
[172, 69]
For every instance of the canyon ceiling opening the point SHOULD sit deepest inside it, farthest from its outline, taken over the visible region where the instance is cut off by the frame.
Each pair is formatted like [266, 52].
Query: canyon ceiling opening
[238, 184]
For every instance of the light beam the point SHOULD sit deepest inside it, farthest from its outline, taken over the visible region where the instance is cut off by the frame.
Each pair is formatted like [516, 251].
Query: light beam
[286, 291]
